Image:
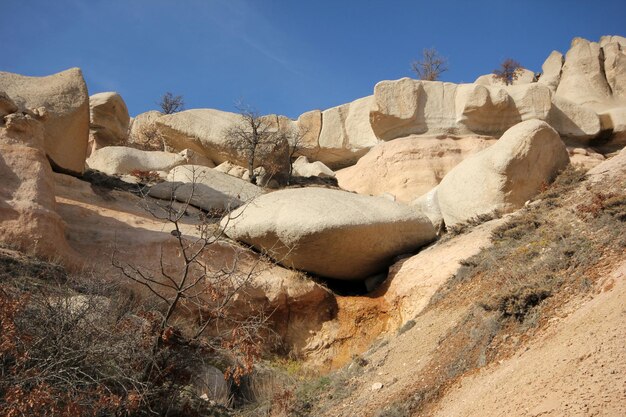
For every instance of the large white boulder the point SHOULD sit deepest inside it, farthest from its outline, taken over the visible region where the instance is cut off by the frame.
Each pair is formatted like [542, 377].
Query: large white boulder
[505, 175]
[219, 181]
[196, 194]
[64, 95]
[108, 120]
[117, 160]
[328, 232]
[408, 167]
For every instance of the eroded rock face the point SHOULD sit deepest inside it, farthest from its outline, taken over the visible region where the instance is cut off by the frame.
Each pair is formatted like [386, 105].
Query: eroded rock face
[358, 240]
[405, 107]
[64, 96]
[491, 110]
[614, 51]
[504, 176]
[582, 78]
[346, 134]
[108, 120]
[28, 217]
[408, 167]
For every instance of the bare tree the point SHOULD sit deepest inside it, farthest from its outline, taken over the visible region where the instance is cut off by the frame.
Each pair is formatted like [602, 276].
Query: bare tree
[256, 136]
[187, 285]
[509, 71]
[431, 65]
[170, 103]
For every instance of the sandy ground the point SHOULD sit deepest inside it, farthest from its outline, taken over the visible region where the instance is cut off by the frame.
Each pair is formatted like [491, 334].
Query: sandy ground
[577, 367]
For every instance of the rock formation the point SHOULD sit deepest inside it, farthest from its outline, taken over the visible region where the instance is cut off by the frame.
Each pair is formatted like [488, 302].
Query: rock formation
[408, 167]
[358, 240]
[505, 175]
[28, 217]
[108, 120]
[64, 95]
[116, 160]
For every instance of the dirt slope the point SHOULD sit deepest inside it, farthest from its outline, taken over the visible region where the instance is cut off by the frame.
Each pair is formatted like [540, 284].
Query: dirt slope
[577, 367]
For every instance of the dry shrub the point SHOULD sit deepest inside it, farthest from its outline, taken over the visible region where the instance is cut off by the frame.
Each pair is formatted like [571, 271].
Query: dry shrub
[146, 177]
[147, 138]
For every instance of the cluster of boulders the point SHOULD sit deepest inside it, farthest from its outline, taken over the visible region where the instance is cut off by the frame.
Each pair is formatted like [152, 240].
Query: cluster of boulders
[410, 159]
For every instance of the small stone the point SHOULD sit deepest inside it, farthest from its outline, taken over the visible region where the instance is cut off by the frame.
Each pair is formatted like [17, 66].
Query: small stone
[376, 386]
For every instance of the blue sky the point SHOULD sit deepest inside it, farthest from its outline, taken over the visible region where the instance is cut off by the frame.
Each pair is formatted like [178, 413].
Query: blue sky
[283, 56]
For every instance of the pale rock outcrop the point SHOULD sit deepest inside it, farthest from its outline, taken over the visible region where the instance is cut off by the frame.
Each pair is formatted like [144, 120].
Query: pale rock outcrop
[28, 218]
[405, 107]
[582, 78]
[206, 131]
[615, 64]
[551, 70]
[108, 120]
[504, 176]
[303, 168]
[64, 96]
[408, 167]
[573, 120]
[219, 181]
[116, 160]
[346, 134]
[491, 110]
[524, 76]
[358, 240]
